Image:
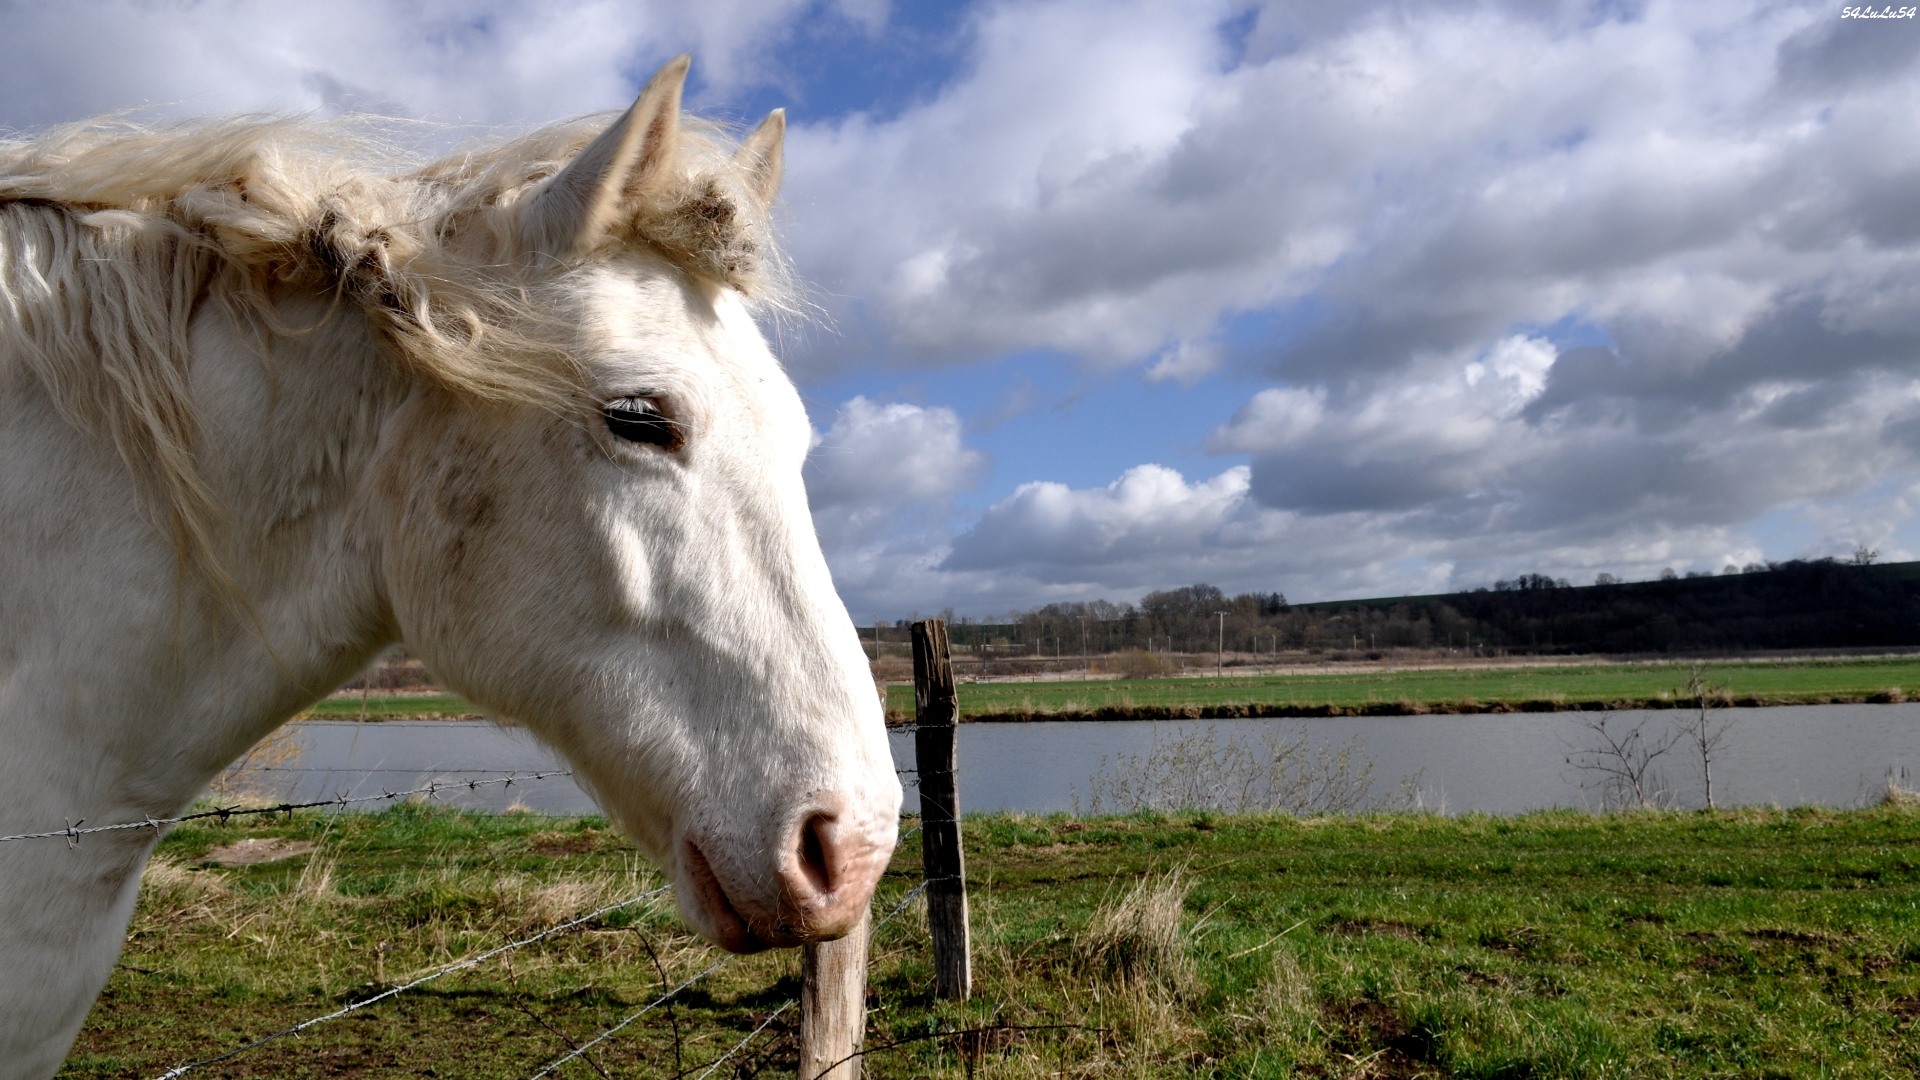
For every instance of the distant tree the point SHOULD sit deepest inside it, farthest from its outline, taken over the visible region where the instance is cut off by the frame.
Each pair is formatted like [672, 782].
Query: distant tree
[1668, 574]
[1754, 568]
[1864, 555]
[1729, 569]
[1185, 602]
[1619, 764]
[1605, 578]
[1706, 732]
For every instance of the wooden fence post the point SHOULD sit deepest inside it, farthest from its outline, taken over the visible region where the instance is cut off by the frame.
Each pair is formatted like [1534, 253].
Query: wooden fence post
[936, 716]
[833, 1005]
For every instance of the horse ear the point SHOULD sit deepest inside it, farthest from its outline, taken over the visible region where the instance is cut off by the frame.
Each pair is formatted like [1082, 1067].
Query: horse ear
[579, 204]
[759, 157]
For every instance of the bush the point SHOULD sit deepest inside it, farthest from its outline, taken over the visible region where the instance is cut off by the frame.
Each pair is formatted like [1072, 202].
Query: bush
[1280, 771]
[1140, 664]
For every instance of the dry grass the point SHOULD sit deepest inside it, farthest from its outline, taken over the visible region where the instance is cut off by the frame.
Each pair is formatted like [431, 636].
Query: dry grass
[1552, 945]
[1898, 794]
[1281, 1009]
[1136, 941]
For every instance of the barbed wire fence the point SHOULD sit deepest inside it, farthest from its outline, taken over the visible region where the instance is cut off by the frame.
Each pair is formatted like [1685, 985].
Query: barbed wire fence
[943, 880]
[73, 831]
[580, 1050]
[76, 831]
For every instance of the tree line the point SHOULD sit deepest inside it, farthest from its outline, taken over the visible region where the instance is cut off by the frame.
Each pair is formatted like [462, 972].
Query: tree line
[1798, 604]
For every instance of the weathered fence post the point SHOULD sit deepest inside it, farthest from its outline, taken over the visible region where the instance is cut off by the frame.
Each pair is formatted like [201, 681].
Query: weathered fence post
[936, 716]
[833, 1005]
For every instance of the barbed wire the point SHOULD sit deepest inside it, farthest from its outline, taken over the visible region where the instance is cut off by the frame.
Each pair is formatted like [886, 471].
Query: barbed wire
[751, 1035]
[461, 965]
[73, 832]
[902, 905]
[615, 1029]
[581, 1049]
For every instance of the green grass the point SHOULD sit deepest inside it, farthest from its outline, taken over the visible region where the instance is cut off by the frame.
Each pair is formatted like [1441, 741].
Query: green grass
[1739, 943]
[1433, 690]
[1537, 688]
[392, 707]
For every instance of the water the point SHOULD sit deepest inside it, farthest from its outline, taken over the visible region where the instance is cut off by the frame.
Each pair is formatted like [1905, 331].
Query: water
[1833, 755]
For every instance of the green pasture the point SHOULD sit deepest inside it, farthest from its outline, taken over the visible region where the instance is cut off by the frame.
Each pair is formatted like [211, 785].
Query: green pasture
[1754, 942]
[1440, 689]
[1542, 687]
[376, 706]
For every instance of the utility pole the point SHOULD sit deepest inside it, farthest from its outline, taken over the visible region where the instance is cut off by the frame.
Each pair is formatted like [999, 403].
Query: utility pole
[1085, 657]
[1220, 653]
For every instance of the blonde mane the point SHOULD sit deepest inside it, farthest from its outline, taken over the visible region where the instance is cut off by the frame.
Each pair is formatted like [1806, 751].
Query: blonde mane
[113, 234]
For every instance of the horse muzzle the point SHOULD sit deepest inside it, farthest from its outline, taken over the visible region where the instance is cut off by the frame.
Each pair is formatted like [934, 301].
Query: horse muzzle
[813, 883]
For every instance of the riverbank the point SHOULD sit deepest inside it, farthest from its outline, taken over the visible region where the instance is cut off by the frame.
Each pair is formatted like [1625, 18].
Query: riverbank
[1743, 942]
[1591, 686]
[1379, 690]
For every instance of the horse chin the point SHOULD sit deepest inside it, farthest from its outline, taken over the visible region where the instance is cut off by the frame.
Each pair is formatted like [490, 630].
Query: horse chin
[704, 904]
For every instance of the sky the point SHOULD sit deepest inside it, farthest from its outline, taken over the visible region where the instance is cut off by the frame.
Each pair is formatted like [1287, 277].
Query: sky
[1334, 300]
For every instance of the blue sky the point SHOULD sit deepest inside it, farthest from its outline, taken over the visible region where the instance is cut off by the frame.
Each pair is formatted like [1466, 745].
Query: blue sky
[1333, 300]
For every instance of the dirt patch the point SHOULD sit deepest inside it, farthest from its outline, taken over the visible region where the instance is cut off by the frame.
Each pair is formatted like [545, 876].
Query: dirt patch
[976, 1043]
[1381, 927]
[1517, 941]
[1372, 1035]
[1794, 937]
[257, 850]
[1480, 977]
[1045, 851]
[556, 844]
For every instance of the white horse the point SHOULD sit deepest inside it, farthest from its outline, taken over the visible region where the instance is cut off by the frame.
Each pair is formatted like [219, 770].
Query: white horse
[269, 403]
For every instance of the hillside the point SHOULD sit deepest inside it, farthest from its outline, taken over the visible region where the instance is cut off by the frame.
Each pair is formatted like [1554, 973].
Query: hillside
[1796, 605]
[1801, 605]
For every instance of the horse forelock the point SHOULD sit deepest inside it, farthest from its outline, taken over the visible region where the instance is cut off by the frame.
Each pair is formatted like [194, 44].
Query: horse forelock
[111, 234]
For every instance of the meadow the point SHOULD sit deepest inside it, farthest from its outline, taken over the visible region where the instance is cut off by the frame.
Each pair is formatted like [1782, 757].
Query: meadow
[1367, 690]
[1396, 691]
[1750, 942]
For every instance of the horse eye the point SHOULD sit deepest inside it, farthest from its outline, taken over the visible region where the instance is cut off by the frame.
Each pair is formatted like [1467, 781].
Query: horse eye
[638, 419]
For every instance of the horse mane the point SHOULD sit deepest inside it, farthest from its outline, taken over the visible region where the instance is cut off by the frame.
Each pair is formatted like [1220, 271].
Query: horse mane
[113, 233]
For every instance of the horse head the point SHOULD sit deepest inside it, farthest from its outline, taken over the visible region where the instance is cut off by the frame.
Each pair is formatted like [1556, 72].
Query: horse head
[626, 564]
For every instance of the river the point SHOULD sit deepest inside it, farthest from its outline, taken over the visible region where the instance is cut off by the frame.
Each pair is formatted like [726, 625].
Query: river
[1833, 755]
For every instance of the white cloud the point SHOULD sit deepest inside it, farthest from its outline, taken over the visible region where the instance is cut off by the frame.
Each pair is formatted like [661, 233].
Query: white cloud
[1185, 363]
[1149, 513]
[995, 215]
[1423, 197]
[881, 469]
[481, 62]
[1722, 194]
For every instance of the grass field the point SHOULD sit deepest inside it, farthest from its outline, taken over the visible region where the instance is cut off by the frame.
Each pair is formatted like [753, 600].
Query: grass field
[377, 706]
[1369, 691]
[1532, 689]
[1739, 943]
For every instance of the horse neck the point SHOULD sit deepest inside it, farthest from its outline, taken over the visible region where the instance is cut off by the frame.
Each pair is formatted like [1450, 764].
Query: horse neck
[126, 680]
[137, 678]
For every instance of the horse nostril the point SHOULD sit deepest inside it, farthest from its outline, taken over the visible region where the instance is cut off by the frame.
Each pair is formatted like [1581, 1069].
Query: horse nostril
[815, 845]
